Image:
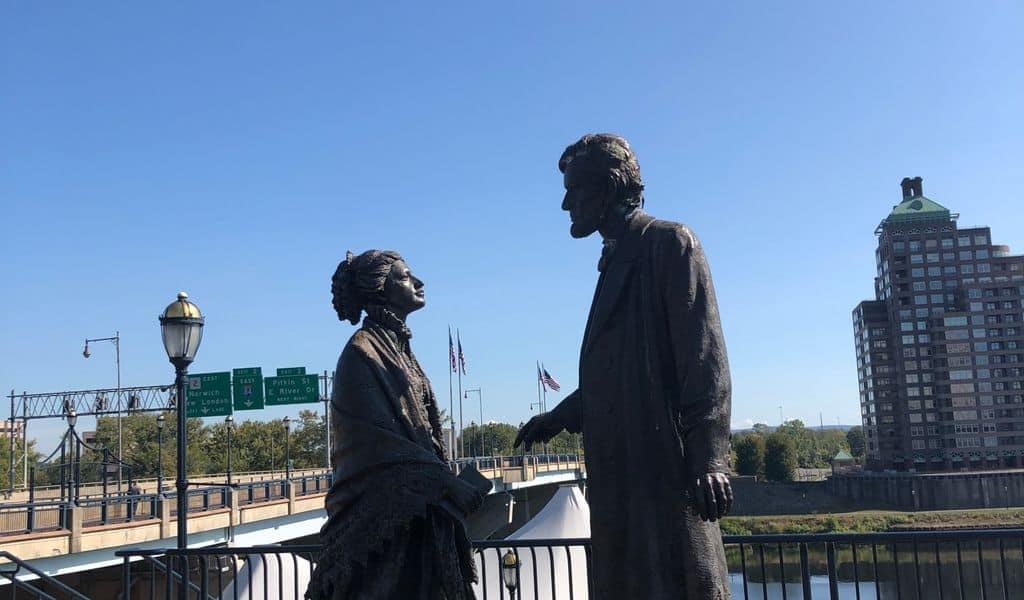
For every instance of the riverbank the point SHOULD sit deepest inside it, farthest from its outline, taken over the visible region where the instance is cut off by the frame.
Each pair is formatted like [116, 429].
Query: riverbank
[874, 520]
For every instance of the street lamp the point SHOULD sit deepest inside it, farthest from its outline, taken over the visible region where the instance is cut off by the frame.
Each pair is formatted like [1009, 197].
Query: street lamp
[229, 422]
[480, 398]
[510, 572]
[181, 326]
[160, 453]
[287, 449]
[116, 340]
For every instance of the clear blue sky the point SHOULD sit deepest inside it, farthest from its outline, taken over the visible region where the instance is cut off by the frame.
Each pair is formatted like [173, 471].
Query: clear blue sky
[237, 151]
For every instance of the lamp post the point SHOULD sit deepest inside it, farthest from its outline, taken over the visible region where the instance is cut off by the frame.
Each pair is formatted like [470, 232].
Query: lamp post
[229, 422]
[76, 455]
[160, 453]
[116, 340]
[480, 398]
[510, 572]
[287, 449]
[181, 326]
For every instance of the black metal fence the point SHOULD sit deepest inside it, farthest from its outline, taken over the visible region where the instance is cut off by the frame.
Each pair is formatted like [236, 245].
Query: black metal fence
[32, 517]
[28, 582]
[965, 565]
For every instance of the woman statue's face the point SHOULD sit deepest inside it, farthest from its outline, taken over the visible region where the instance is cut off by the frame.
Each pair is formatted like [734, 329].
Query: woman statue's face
[404, 292]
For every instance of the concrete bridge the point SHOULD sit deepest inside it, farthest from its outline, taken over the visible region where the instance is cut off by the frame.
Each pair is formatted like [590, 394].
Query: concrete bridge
[61, 537]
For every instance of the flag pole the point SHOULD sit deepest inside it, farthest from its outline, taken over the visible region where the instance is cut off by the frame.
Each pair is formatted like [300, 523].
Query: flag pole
[451, 401]
[462, 442]
[540, 384]
[544, 407]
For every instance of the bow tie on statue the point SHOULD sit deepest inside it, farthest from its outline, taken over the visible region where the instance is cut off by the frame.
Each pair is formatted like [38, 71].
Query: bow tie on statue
[607, 250]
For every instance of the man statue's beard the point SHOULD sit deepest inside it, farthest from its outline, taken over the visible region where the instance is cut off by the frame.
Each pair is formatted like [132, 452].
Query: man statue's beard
[583, 229]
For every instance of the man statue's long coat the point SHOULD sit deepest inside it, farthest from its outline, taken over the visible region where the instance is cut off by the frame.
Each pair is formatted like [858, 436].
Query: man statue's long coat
[653, 405]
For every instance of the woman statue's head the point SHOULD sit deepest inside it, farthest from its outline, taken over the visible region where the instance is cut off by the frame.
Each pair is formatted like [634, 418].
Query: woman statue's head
[375, 278]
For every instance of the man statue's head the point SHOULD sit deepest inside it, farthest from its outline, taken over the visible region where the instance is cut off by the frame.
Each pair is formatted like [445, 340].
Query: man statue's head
[602, 181]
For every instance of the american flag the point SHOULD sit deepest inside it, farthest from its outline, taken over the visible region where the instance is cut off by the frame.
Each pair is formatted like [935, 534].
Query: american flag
[451, 349]
[462, 357]
[549, 381]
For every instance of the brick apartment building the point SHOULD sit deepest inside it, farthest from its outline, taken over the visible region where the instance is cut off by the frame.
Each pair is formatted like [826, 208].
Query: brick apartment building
[940, 350]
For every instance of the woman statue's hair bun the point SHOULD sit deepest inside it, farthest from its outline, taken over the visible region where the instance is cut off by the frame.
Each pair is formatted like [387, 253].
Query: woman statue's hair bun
[359, 282]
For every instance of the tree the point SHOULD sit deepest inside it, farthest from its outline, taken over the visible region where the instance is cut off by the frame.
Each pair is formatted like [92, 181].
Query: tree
[750, 453]
[780, 457]
[855, 439]
[497, 439]
[309, 441]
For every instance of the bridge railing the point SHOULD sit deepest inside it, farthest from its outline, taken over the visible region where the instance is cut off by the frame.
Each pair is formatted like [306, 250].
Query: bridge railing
[262, 491]
[961, 564]
[312, 484]
[124, 508]
[36, 517]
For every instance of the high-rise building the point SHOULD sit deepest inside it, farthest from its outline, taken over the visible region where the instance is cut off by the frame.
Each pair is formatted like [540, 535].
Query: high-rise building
[940, 350]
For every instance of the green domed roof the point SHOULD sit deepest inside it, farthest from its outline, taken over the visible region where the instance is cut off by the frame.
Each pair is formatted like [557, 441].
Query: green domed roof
[918, 208]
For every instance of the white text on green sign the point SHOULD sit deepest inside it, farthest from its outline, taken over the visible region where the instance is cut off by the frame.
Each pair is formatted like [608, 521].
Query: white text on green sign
[300, 389]
[208, 394]
[248, 388]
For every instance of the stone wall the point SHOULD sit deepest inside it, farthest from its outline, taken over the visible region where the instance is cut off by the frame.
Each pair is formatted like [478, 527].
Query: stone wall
[753, 498]
[931, 491]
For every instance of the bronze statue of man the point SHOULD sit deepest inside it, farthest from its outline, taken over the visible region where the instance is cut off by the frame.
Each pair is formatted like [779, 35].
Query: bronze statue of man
[654, 391]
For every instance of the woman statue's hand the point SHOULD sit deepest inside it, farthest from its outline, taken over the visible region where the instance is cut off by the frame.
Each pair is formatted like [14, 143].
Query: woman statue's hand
[464, 496]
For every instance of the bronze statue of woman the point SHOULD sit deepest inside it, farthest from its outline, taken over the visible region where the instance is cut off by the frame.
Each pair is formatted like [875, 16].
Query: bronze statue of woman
[394, 526]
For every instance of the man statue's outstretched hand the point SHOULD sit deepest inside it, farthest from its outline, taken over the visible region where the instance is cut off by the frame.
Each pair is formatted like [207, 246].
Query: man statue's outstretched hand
[539, 429]
[712, 496]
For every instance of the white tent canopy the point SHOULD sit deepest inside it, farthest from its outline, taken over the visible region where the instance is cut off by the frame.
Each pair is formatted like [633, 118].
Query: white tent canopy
[566, 515]
[271, 577]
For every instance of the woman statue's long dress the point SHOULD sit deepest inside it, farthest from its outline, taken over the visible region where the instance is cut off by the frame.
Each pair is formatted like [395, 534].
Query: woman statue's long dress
[387, 535]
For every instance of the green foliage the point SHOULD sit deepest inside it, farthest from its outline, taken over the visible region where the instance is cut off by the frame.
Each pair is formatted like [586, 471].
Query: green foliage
[256, 446]
[855, 440]
[497, 439]
[814, 448]
[750, 453]
[780, 457]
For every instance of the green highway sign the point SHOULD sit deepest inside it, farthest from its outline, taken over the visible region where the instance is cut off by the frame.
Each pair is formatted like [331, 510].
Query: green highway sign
[292, 371]
[298, 389]
[248, 387]
[208, 394]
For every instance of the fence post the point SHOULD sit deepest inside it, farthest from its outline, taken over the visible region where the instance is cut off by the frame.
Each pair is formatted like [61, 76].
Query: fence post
[833, 576]
[805, 571]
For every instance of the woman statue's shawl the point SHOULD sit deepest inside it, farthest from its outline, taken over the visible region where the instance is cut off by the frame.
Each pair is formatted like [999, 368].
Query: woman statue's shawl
[389, 467]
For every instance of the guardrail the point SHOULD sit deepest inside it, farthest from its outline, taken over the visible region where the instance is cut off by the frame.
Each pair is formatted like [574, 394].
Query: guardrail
[32, 518]
[963, 564]
[48, 515]
[124, 508]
